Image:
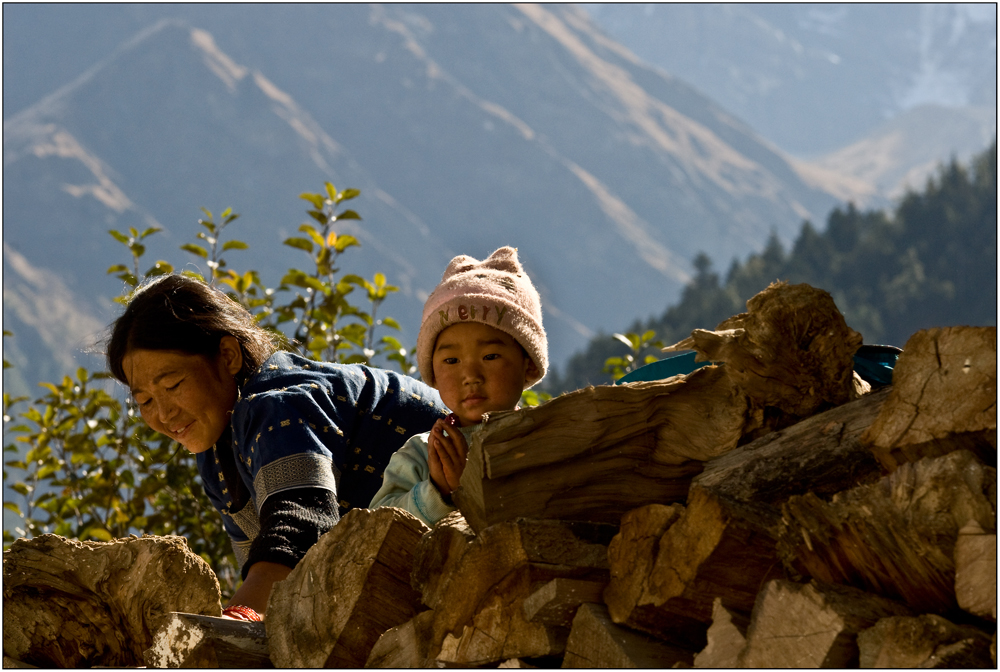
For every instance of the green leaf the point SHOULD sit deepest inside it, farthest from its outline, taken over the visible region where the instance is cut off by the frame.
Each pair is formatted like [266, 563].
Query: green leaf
[11, 506]
[345, 241]
[316, 199]
[235, 245]
[150, 231]
[331, 191]
[313, 233]
[300, 243]
[391, 323]
[119, 236]
[195, 249]
[97, 533]
[117, 268]
[348, 194]
[348, 214]
[159, 268]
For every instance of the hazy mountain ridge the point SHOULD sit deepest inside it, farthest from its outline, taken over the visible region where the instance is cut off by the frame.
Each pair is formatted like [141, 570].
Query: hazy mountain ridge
[603, 184]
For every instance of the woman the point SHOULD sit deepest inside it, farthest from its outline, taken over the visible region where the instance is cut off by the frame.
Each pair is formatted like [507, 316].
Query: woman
[285, 445]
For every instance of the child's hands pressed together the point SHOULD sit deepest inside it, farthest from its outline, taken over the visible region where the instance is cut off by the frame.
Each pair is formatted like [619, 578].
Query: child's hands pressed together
[446, 453]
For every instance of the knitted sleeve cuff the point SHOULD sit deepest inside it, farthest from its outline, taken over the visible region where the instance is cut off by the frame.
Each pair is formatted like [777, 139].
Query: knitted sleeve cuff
[291, 522]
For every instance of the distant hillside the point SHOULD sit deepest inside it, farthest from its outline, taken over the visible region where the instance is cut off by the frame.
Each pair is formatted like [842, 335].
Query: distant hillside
[931, 262]
[466, 127]
[816, 77]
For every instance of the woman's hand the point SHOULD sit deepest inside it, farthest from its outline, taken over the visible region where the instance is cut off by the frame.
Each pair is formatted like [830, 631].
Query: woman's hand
[446, 453]
[256, 588]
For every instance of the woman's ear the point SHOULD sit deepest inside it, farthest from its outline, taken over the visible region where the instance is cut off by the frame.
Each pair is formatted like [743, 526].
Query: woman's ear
[231, 355]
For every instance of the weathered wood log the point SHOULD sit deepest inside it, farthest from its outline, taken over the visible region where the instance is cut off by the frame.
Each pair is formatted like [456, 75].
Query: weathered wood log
[499, 629]
[923, 641]
[350, 587]
[595, 453]
[726, 638]
[895, 537]
[811, 625]
[555, 603]
[791, 351]
[822, 454]
[71, 603]
[976, 571]
[192, 640]
[717, 548]
[594, 641]
[944, 398]
[405, 645]
[437, 555]
[526, 553]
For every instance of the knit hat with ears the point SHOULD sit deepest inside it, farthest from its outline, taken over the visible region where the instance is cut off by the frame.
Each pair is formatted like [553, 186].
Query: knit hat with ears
[496, 292]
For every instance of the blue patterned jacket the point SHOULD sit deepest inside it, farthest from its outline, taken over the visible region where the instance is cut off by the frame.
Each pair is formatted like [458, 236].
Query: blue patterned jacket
[304, 424]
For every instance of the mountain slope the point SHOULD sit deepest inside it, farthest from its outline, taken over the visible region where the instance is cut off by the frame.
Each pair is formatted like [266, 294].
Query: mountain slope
[465, 127]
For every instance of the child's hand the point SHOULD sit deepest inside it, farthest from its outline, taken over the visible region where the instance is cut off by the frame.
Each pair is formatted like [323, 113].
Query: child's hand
[446, 454]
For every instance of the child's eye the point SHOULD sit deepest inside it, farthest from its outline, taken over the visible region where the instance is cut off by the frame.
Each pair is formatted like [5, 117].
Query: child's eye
[174, 386]
[491, 356]
[451, 360]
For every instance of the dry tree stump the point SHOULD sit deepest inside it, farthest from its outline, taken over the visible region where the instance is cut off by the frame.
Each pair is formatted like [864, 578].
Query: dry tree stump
[71, 603]
[350, 587]
[944, 398]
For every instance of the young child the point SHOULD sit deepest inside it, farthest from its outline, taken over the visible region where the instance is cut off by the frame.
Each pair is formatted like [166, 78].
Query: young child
[481, 344]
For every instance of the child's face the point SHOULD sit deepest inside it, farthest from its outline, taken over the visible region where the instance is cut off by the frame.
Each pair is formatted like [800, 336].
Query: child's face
[477, 369]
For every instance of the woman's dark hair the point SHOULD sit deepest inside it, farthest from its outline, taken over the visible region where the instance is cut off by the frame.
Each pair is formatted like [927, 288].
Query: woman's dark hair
[175, 312]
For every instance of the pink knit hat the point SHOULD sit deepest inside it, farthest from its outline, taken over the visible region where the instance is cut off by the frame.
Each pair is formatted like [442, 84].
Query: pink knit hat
[496, 292]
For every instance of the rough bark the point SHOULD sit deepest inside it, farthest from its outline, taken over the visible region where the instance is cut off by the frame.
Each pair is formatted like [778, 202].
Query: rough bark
[595, 453]
[811, 625]
[895, 537]
[74, 603]
[976, 571]
[350, 587]
[191, 640]
[595, 641]
[791, 351]
[726, 638]
[716, 548]
[944, 398]
[822, 454]
[437, 555]
[923, 641]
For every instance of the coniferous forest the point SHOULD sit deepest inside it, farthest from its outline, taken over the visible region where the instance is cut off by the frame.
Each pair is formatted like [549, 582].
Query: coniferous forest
[930, 262]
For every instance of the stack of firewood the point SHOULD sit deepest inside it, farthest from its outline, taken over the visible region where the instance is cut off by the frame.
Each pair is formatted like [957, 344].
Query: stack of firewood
[768, 510]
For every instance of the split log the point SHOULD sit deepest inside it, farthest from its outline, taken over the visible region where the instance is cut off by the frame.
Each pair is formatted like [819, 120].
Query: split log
[192, 640]
[499, 629]
[923, 641]
[791, 351]
[896, 537]
[944, 398]
[555, 603]
[976, 571]
[716, 548]
[822, 454]
[405, 645]
[726, 638]
[71, 603]
[811, 625]
[595, 453]
[525, 553]
[437, 555]
[595, 641]
[348, 589]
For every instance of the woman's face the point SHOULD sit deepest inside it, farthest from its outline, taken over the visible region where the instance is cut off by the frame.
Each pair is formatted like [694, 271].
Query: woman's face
[186, 397]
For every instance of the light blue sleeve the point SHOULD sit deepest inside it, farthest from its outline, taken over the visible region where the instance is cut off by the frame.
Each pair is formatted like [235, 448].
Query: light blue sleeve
[407, 483]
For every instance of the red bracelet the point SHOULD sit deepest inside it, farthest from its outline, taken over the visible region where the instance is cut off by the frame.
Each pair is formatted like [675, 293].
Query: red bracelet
[241, 613]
